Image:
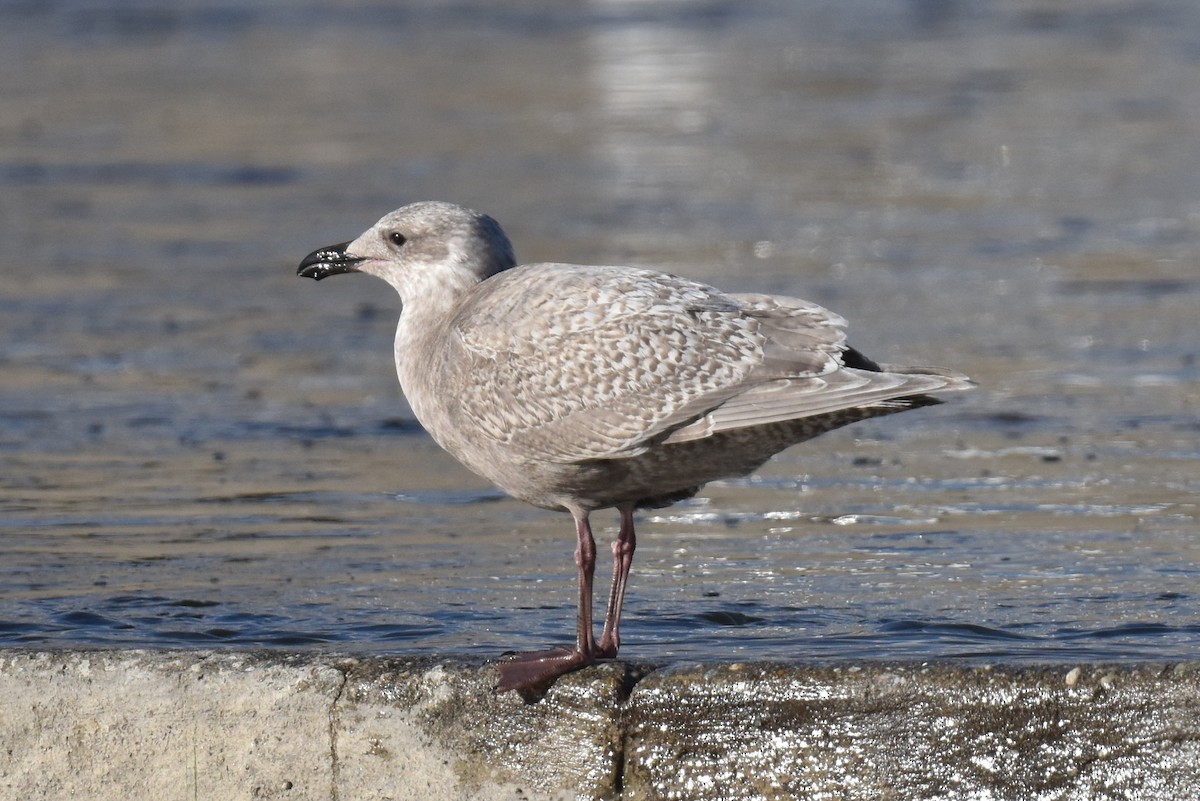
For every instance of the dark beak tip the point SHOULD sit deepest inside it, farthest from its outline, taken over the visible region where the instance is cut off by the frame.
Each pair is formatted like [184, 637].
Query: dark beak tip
[327, 261]
[312, 271]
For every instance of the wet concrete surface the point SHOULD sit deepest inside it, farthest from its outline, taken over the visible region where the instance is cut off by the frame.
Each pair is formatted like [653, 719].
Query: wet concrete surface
[197, 448]
[914, 732]
[111, 724]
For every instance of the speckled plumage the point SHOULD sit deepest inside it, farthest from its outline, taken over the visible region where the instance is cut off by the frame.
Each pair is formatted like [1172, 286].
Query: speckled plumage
[579, 388]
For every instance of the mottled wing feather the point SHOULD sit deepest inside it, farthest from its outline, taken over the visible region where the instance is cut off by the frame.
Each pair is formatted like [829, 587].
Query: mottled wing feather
[573, 363]
[791, 399]
[576, 363]
[799, 337]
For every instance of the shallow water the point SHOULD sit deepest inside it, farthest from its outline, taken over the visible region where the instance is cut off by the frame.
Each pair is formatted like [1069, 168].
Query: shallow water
[198, 448]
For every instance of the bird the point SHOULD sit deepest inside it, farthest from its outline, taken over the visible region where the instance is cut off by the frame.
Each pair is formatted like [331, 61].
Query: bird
[577, 388]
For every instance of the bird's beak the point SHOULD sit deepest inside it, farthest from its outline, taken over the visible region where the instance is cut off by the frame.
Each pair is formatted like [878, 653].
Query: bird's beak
[324, 262]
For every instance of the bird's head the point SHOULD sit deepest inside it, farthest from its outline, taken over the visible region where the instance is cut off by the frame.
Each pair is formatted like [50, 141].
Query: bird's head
[423, 249]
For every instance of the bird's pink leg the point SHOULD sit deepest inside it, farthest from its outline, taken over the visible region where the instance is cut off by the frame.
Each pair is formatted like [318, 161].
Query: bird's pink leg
[585, 564]
[523, 671]
[622, 549]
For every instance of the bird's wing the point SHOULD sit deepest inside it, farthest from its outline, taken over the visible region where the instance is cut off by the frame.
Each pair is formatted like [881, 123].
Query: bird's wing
[796, 398]
[572, 363]
[785, 386]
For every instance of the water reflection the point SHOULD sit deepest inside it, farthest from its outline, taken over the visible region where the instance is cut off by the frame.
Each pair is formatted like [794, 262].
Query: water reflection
[195, 448]
[650, 66]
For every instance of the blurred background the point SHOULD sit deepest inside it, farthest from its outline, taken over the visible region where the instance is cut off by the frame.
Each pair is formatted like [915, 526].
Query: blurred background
[199, 448]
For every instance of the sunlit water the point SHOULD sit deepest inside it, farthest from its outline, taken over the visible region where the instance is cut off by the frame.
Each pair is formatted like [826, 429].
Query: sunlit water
[197, 448]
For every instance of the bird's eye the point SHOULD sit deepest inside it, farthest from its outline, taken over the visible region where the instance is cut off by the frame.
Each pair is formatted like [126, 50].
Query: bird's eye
[397, 238]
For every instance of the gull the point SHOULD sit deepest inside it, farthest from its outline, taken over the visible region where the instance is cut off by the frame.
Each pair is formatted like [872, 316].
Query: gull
[577, 388]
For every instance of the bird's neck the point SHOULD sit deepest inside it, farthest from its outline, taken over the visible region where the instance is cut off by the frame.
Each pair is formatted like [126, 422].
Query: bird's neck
[421, 334]
[428, 311]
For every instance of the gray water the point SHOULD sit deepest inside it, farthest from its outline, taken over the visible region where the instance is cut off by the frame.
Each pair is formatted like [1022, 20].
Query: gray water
[198, 448]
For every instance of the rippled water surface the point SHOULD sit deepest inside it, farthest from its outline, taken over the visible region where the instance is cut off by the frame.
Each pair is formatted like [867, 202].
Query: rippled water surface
[198, 448]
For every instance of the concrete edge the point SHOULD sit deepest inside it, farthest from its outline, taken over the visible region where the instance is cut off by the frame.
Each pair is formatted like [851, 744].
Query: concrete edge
[124, 724]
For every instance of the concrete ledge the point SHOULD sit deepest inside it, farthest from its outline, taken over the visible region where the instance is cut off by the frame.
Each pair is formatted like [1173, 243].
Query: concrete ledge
[170, 725]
